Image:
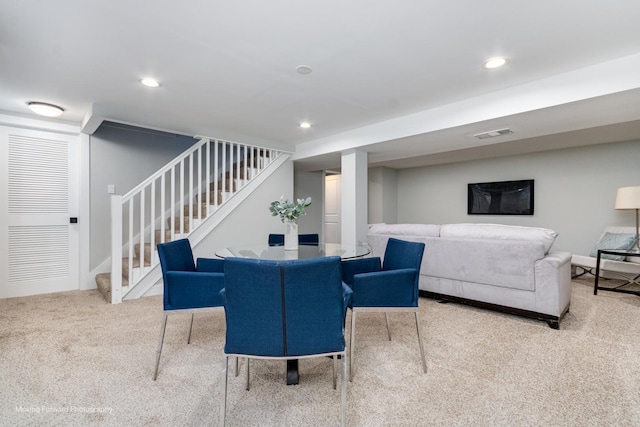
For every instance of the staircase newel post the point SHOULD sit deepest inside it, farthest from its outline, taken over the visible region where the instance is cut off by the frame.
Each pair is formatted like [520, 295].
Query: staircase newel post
[116, 249]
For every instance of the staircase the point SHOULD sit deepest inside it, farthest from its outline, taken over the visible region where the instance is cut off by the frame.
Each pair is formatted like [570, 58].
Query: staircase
[173, 203]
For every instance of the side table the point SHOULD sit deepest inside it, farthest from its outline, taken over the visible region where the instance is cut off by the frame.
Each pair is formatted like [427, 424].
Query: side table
[630, 281]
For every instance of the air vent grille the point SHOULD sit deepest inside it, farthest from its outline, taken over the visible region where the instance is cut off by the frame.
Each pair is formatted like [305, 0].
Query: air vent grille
[493, 133]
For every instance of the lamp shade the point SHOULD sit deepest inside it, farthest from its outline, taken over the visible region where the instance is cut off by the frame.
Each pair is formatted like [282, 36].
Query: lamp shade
[628, 198]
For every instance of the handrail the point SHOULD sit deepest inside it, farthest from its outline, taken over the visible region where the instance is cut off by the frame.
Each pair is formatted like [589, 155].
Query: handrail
[174, 201]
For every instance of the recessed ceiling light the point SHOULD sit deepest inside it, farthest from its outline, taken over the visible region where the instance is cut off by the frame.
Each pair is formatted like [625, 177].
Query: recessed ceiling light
[496, 62]
[44, 109]
[304, 69]
[305, 125]
[149, 82]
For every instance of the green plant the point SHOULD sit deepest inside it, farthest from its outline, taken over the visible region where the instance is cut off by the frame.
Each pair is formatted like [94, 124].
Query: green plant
[289, 210]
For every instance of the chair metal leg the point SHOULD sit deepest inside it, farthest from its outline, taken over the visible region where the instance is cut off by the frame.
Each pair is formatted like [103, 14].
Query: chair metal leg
[159, 352]
[223, 414]
[386, 318]
[343, 397]
[237, 368]
[333, 362]
[353, 341]
[247, 386]
[424, 363]
[190, 328]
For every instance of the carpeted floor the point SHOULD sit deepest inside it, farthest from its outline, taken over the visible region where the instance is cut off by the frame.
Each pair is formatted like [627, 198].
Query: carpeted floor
[71, 359]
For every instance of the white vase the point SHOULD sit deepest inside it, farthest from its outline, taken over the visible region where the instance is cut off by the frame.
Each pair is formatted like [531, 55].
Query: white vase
[290, 236]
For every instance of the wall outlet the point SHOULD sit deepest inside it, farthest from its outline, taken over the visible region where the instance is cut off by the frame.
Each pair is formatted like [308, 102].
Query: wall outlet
[111, 189]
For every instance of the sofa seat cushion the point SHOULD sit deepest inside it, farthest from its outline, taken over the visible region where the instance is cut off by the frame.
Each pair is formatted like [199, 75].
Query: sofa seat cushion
[508, 264]
[500, 232]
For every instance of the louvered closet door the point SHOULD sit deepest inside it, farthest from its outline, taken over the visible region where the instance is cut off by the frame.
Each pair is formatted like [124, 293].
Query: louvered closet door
[40, 194]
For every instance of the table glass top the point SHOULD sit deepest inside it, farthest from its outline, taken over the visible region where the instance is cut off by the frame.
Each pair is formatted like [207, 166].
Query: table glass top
[279, 253]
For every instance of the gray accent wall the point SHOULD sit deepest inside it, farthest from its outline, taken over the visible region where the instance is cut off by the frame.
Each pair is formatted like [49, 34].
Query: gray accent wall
[574, 191]
[124, 156]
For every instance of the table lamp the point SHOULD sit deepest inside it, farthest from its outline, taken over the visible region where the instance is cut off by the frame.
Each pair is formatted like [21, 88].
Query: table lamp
[629, 198]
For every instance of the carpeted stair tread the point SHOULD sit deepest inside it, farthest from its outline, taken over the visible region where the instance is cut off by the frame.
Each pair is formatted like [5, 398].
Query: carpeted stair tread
[103, 283]
[212, 197]
[136, 264]
[177, 227]
[147, 251]
[229, 184]
[203, 210]
[167, 235]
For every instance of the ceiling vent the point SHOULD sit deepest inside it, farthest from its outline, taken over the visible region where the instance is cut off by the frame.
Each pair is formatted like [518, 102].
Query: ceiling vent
[493, 133]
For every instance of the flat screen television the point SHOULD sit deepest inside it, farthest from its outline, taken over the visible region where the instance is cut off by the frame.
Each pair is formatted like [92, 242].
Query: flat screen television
[501, 198]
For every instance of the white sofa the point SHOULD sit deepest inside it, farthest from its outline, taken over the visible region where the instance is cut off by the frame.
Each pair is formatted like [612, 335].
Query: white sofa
[501, 267]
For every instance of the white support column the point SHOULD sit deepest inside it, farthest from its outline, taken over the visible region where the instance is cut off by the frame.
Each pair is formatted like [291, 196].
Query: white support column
[354, 197]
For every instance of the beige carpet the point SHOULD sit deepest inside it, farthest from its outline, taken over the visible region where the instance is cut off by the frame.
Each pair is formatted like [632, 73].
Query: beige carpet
[71, 359]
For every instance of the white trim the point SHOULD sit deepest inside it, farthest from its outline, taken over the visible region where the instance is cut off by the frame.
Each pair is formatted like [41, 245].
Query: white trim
[39, 124]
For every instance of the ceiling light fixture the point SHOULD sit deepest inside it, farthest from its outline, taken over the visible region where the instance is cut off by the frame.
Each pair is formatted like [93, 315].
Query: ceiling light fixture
[305, 125]
[44, 109]
[149, 82]
[496, 62]
[493, 133]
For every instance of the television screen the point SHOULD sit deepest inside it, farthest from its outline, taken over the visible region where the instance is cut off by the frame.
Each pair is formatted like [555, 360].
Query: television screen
[501, 198]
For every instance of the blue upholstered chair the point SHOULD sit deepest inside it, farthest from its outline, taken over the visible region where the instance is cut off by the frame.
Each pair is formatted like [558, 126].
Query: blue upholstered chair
[392, 286]
[303, 239]
[187, 287]
[285, 310]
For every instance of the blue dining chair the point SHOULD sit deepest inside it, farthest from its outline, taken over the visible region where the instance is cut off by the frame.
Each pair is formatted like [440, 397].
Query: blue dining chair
[285, 310]
[188, 287]
[388, 287]
[303, 239]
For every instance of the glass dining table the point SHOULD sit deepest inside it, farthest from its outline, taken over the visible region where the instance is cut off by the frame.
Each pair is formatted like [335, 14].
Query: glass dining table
[278, 253]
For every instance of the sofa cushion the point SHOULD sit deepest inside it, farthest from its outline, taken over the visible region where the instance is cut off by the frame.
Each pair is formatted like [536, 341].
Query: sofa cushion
[421, 230]
[500, 232]
[496, 262]
[620, 241]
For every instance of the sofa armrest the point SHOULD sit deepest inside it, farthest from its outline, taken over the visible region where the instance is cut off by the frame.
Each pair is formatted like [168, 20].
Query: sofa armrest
[557, 259]
[553, 283]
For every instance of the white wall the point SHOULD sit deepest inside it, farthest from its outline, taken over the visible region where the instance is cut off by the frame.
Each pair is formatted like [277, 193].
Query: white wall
[574, 191]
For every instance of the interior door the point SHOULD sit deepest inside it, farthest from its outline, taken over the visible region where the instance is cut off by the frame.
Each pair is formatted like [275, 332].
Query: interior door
[39, 191]
[332, 209]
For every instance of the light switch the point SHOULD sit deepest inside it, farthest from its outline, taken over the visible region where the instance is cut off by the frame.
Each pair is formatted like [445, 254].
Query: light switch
[111, 189]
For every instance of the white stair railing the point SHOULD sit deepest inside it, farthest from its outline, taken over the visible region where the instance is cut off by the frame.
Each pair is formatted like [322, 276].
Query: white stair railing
[174, 201]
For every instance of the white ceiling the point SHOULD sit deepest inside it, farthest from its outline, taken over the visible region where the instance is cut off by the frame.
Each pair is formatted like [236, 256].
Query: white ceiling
[400, 80]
